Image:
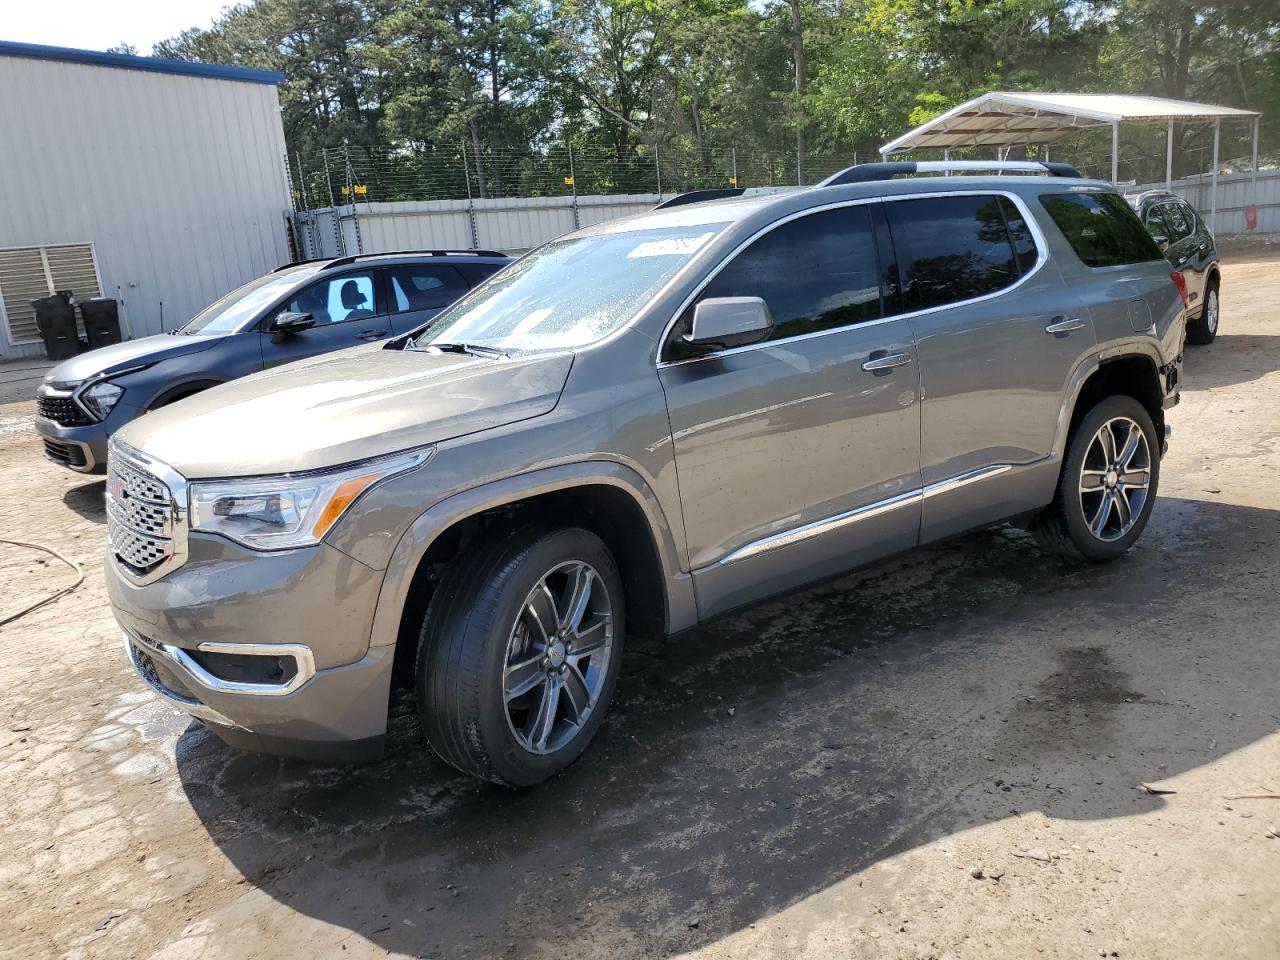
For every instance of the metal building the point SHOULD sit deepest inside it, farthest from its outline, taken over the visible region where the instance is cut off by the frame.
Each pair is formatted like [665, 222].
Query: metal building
[158, 182]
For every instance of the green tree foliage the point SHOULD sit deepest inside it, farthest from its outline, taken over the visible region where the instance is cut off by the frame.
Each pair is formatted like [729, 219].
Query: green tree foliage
[692, 88]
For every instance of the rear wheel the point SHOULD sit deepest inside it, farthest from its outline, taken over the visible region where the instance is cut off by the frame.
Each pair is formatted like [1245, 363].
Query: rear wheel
[1202, 330]
[1108, 483]
[519, 653]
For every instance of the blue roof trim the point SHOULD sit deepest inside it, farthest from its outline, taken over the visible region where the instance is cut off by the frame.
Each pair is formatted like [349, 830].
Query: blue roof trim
[124, 61]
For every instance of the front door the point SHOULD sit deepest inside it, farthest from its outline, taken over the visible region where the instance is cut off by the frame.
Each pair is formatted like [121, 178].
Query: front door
[797, 457]
[346, 311]
[998, 334]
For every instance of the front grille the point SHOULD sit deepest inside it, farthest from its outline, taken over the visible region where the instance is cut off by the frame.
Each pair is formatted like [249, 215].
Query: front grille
[139, 516]
[63, 411]
[65, 454]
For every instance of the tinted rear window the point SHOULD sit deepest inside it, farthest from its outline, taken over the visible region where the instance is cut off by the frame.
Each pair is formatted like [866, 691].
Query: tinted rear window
[955, 248]
[1101, 228]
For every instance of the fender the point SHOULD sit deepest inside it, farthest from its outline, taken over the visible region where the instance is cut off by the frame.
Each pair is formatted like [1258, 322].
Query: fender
[181, 388]
[1085, 369]
[413, 545]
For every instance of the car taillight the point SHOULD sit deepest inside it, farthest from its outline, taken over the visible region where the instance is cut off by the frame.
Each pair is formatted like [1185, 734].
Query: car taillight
[1180, 282]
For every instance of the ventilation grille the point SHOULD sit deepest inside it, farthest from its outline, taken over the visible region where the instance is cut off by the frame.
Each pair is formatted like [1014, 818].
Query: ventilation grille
[28, 273]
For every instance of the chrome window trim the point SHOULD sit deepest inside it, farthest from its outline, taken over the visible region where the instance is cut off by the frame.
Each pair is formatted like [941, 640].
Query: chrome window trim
[817, 528]
[178, 503]
[1042, 257]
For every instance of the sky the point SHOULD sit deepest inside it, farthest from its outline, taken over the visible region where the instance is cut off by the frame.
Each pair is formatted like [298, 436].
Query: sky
[96, 25]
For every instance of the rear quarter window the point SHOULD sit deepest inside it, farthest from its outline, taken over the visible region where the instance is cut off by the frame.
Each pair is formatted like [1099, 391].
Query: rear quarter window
[1101, 228]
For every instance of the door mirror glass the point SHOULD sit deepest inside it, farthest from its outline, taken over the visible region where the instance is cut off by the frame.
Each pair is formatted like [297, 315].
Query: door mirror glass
[723, 322]
[287, 323]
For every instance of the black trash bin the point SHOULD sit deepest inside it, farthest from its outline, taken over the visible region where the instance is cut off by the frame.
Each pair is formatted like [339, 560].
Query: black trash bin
[56, 321]
[101, 321]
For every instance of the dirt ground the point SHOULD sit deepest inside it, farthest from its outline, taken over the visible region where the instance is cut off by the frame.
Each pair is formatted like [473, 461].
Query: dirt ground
[815, 778]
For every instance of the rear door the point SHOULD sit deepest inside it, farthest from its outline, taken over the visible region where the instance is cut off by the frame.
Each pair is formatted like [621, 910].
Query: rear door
[416, 292]
[797, 457]
[347, 310]
[998, 334]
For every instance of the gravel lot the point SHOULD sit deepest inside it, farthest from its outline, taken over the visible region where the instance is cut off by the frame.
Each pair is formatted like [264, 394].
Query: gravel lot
[819, 777]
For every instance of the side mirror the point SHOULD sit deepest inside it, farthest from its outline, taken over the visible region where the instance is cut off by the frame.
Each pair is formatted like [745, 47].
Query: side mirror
[1161, 241]
[723, 322]
[286, 324]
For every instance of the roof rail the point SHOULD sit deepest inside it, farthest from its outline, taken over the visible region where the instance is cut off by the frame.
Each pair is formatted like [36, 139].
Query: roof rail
[699, 196]
[344, 261]
[867, 172]
[298, 263]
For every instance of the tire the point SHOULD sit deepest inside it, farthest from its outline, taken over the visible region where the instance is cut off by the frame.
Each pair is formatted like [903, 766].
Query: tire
[1202, 330]
[1069, 526]
[484, 618]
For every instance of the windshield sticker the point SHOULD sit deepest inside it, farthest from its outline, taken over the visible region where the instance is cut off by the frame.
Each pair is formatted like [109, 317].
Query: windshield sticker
[670, 247]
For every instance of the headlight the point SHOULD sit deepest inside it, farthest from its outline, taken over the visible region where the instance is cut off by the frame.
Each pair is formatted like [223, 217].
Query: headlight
[293, 510]
[100, 398]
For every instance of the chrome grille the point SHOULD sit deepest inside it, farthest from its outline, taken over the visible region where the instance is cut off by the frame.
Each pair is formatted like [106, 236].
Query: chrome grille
[140, 516]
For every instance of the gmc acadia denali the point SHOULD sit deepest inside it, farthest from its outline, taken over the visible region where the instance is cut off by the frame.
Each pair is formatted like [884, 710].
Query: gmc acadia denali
[632, 429]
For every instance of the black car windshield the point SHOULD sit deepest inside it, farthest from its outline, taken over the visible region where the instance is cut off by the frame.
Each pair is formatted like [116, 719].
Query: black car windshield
[570, 292]
[230, 313]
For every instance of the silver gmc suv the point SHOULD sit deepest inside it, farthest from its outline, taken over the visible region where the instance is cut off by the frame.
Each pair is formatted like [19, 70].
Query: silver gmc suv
[635, 428]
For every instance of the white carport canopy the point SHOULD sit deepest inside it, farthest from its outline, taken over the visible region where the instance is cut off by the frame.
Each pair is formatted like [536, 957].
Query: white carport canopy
[1004, 120]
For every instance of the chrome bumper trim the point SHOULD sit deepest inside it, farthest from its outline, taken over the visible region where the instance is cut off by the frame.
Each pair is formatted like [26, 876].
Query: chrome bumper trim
[186, 704]
[301, 655]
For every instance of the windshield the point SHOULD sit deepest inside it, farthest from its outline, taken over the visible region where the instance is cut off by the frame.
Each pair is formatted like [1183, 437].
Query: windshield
[243, 304]
[570, 292]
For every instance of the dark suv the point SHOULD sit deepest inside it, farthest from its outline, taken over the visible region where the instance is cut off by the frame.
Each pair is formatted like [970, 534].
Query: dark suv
[1187, 244]
[298, 311]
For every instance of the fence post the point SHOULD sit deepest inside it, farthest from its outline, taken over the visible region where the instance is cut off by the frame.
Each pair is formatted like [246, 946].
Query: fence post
[471, 203]
[351, 192]
[657, 166]
[573, 185]
[339, 241]
[734, 151]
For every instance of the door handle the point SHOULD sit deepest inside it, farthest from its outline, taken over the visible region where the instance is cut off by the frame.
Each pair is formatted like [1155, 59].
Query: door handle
[1064, 325]
[370, 334]
[885, 361]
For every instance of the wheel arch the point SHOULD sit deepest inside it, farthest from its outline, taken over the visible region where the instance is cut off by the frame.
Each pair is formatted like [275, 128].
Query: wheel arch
[1135, 373]
[178, 391]
[605, 497]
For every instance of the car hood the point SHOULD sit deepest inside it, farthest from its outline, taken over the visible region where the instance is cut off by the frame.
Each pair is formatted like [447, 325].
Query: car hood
[343, 407]
[123, 356]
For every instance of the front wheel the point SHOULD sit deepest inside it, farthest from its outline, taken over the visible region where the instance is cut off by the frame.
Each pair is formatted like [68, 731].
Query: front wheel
[1108, 483]
[519, 654]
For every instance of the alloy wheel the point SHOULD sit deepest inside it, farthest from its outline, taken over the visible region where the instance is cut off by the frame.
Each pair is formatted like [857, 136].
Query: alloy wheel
[557, 657]
[1115, 478]
[1211, 311]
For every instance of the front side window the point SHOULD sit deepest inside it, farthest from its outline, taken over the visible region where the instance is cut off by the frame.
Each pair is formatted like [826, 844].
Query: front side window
[1101, 228]
[1155, 222]
[953, 249]
[814, 273]
[569, 293]
[337, 299]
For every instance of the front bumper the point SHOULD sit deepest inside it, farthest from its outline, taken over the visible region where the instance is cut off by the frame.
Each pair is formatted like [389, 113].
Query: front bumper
[82, 449]
[270, 651]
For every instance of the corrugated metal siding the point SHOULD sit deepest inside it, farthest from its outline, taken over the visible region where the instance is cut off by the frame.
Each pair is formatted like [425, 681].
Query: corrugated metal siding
[508, 225]
[177, 181]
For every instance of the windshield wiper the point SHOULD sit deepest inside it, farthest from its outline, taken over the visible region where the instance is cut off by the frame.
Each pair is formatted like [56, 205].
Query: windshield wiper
[473, 349]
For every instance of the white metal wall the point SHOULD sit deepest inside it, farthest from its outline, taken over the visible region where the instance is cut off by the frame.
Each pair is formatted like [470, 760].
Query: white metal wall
[508, 225]
[1235, 193]
[178, 181]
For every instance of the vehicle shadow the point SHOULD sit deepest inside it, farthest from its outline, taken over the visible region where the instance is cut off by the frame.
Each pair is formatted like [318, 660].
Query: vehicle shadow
[754, 762]
[88, 500]
[1232, 358]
